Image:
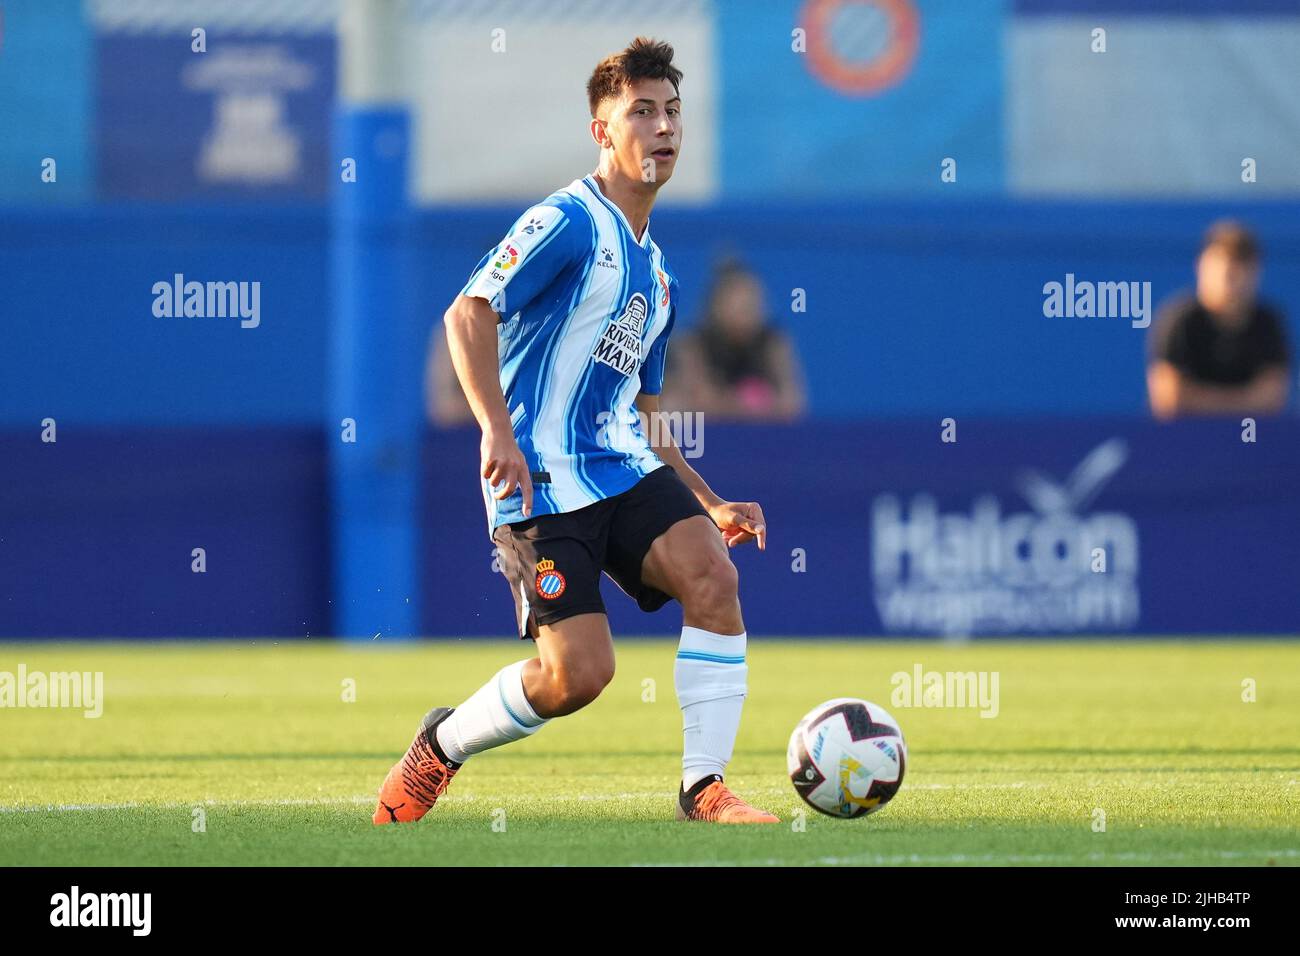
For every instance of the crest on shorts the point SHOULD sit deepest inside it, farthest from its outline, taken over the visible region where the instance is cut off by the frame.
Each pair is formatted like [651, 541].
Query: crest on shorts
[550, 582]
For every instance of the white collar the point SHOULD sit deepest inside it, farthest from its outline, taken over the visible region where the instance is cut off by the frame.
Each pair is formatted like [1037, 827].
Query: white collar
[594, 186]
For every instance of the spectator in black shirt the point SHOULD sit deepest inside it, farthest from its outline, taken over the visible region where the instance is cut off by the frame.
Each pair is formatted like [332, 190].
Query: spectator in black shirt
[1221, 352]
[736, 364]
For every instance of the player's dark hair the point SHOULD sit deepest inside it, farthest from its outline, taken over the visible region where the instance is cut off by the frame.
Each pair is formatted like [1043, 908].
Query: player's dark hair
[1233, 238]
[644, 59]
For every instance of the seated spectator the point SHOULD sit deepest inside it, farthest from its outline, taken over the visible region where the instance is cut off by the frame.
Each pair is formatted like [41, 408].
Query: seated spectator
[736, 363]
[1222, 351]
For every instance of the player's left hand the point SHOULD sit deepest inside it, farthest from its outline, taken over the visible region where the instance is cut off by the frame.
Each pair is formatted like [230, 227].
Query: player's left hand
[739, 522]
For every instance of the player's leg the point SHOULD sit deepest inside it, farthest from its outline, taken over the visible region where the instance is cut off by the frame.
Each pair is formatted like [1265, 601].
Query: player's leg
[663, 546]
[575, 661]
[552, 566]
[689, 562]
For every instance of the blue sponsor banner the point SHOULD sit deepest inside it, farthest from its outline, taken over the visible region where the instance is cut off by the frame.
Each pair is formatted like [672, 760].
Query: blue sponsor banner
[838, 98]
[1034, 529]
[1026, 529]
[164, 533]
[247, 119]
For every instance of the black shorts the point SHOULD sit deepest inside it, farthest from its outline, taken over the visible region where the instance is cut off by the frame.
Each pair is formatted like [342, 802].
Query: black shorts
[553, 562]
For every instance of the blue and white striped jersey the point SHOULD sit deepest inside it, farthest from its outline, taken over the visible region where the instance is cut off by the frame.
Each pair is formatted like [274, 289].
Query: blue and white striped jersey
[586, 313]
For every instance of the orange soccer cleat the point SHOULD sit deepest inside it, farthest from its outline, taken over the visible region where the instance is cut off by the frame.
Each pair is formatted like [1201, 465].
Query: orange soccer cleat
[416, 781]
[711, 801]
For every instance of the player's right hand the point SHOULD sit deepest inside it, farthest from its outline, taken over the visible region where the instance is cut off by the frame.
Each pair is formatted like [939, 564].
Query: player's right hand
[504, 465]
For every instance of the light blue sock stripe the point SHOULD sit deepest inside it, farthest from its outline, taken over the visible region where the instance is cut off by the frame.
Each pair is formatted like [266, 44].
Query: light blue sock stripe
[712, 658]
[524, 725]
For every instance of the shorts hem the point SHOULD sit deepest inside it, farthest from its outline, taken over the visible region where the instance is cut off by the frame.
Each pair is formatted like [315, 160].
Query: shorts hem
[557, 615]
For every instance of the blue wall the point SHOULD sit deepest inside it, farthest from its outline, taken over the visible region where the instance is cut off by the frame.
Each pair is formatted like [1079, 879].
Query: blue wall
[177, 433]
[82, 342]
[917, 308]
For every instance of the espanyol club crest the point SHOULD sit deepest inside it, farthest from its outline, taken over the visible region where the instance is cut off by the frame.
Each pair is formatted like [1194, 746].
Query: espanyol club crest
[550, 582]
[663, 284]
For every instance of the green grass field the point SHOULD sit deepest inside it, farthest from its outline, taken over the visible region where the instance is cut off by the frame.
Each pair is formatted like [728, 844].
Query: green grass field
[258, 737]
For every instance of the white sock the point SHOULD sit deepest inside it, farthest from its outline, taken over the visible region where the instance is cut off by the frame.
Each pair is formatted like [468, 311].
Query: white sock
[495, 714]
[710, 674]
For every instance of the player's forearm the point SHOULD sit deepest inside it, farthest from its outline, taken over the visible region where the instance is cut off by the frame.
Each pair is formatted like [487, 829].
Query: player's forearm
[1269, 389]
[1174, 393]
[672, 456]
[472, 340]
[668, 452]
[1265, 393]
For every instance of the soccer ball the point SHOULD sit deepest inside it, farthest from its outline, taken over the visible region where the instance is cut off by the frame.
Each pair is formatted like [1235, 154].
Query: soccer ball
[846, 758]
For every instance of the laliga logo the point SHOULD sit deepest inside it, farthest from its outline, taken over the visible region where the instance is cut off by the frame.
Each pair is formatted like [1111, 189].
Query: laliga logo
[1055, 568]
[506, 258]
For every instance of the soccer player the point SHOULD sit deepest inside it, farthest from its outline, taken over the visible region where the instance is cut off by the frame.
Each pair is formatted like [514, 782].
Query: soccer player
[558, 340]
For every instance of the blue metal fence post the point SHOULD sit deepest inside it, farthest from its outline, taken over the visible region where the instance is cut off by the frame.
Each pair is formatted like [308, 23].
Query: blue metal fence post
[373, 476]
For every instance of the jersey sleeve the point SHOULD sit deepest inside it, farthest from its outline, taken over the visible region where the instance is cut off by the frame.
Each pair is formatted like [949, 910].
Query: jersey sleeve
[543, 243]
[652, 369]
